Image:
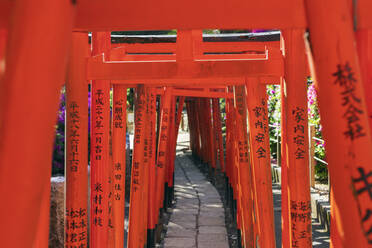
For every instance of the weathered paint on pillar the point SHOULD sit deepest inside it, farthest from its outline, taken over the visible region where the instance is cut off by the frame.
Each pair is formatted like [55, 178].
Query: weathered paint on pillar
[260, 159]
[100, 158]
[76, 163]
[297, 138]
[344, 117]
[28, 115]
[119, 119]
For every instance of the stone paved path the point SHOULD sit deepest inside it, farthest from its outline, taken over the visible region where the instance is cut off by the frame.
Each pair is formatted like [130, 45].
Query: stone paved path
[198, 219]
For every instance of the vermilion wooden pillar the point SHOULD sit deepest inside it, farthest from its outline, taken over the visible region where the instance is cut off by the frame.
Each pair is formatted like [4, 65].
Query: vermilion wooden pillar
[284, 167]
[238, 202]
[218, 132]
[215, 135]
[119, 111]
[211, 138]
[246, 185]
[199, 109]
[76, 213]
[3, 37]
[170, 153]
[146, 159]
[178, 116]
[336, 240]
[162, 146]
[344, 117]
[260, 158]
[364, 45]
[297, 139]
[231, 156]
[197, 127]
[181, 101]
[100, 160]
[152, 171]
[229, 145]
[283, 161]
[135, 239]
[191, 128]
[30, 89]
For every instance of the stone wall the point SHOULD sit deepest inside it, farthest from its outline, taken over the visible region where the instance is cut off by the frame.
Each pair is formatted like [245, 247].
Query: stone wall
[56, 231]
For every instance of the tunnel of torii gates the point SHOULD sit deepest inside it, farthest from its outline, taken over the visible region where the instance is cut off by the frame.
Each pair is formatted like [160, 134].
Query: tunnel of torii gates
[38, 37]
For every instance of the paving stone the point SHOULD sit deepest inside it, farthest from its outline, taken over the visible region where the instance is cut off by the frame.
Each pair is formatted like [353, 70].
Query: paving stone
[212, 206]
[185, 224]
[188, 199]
[196, 199]
[179, 192]
[175, 230]
[210, 201]
[215, 214]
[186, 210]
[213, 244]
[184, 196]
[204, 194]
[211, 237]
[181, 216]
[180, 242]
[184, 189]
[186, 204]
[207, 191]
[211, 221]
[213, 229]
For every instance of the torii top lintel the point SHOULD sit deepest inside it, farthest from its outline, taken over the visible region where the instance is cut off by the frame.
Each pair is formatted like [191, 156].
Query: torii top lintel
[111, 15]
[192, 61]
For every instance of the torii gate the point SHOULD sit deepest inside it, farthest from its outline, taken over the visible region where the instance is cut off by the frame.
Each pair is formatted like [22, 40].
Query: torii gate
[176, 91]
[341, 95]
[156, 60]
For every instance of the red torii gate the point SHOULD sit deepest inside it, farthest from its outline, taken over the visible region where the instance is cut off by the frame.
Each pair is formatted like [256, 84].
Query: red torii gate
[223, 58]
[331, 30]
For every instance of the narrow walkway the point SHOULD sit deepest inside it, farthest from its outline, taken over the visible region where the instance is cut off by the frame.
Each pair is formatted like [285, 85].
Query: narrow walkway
[198, 219]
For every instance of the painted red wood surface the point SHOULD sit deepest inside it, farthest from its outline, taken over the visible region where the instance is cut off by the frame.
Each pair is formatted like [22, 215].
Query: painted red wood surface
[135, 239]
[119, 124]
[260, 159]
[76, 214]
[100, 158]
[28, 116]
[344, 118]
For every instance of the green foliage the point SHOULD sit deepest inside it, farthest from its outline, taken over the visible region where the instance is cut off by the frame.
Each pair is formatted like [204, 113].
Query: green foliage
[321, 169]
[130, 99]
[274, 113]
[58, 163]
